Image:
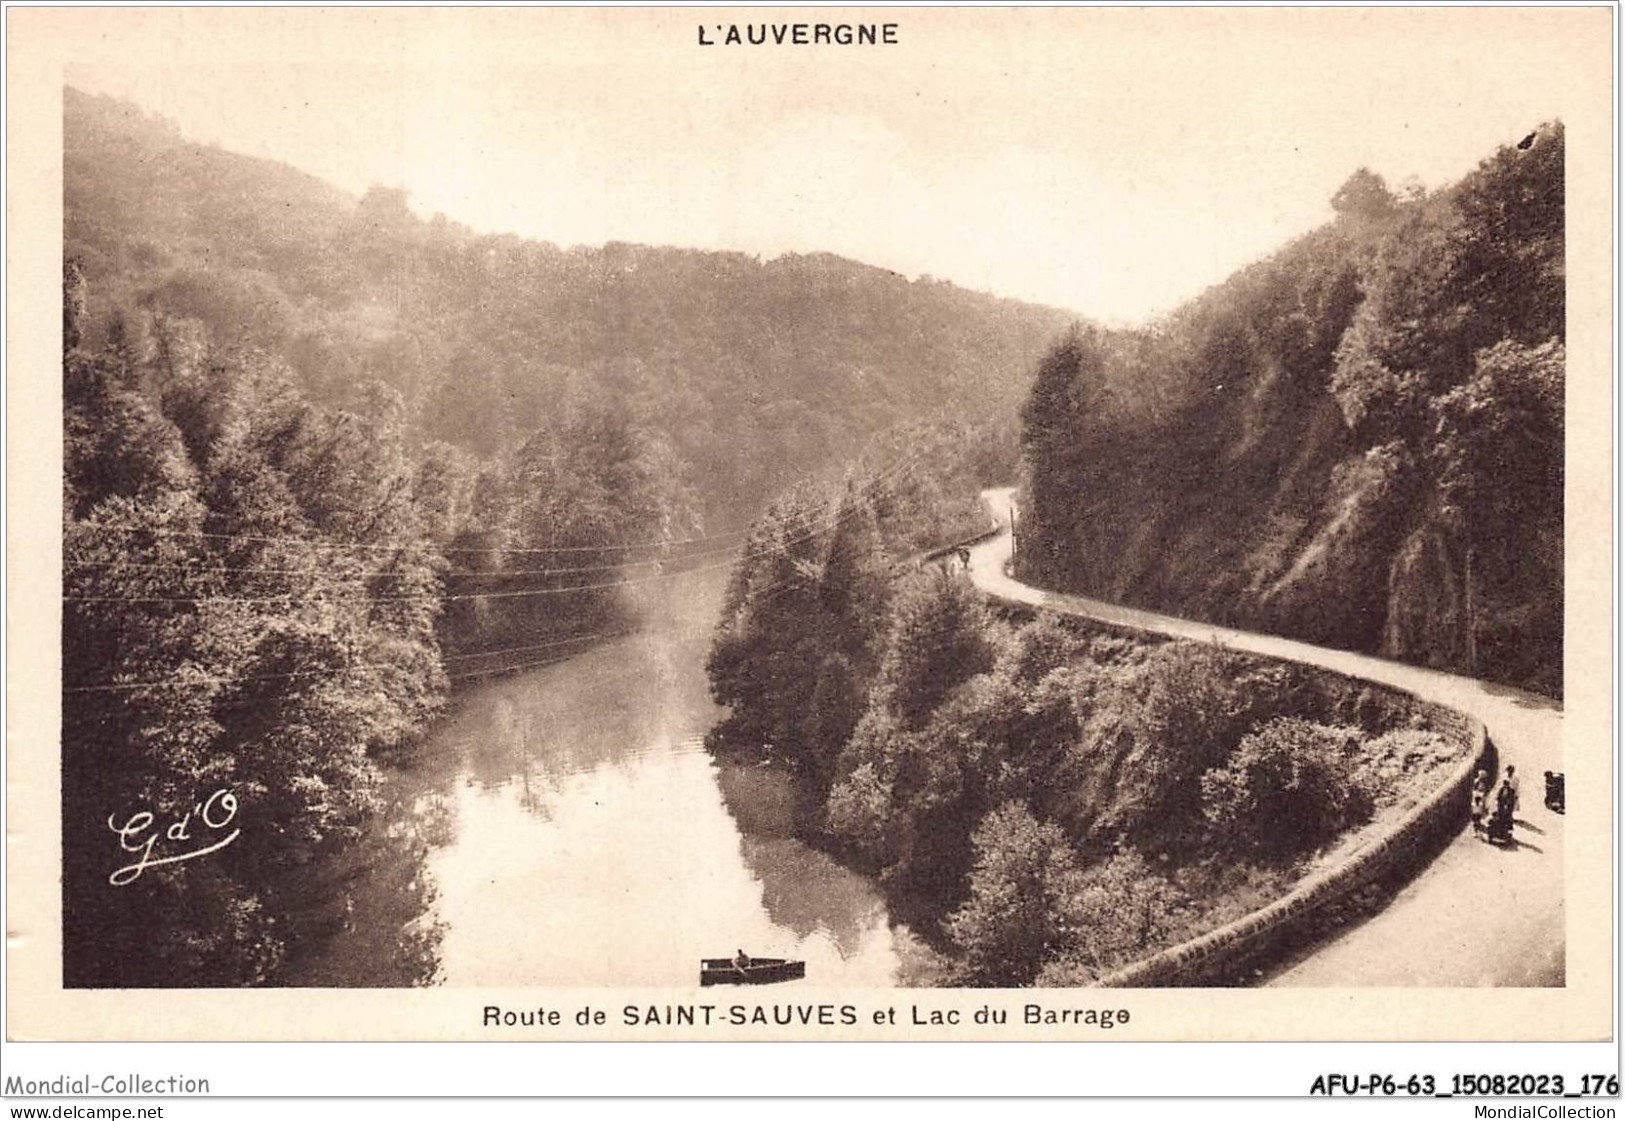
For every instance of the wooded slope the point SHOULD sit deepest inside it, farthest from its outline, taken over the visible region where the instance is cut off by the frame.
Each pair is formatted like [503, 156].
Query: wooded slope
[1357, 441]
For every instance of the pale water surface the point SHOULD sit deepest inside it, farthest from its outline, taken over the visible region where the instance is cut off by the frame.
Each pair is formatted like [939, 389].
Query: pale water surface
[566, 826]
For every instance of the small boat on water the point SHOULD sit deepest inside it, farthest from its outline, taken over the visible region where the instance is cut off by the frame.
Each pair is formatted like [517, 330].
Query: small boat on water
[750, 971]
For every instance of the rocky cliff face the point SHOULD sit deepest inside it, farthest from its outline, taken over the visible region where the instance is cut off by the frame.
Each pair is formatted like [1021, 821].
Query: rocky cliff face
[1426, 613]
[1320, 445]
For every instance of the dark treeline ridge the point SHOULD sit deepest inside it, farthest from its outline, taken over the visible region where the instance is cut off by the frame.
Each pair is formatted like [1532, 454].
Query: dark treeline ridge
[1047, 800]
[323, 460]
[1358, 441]
[755, 374]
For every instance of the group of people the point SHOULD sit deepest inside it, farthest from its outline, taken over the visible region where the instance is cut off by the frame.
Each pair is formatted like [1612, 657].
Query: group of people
[1492, 817]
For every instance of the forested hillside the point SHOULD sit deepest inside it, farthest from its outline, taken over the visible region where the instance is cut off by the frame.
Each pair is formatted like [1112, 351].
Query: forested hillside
[756, 373]
[1358, 441]
[323, 460]
[1046, 800]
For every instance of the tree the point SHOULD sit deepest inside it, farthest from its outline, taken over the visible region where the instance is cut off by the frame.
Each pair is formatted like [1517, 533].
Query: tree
[73, 303]
[1039, 648]
[1062, 421]
[859, 812]
[1285, 789]
[1221, 486]
[1506, 251]
[1364, 196]
[937, 641]
[1177, 716]
[854, 583]
[832, 714]
[116, 441]
[222, 633]
[1115, 913]
[774, 640]
[1010, 924]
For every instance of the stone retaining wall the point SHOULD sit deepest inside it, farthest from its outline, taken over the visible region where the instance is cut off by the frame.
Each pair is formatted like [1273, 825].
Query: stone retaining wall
[920, 559]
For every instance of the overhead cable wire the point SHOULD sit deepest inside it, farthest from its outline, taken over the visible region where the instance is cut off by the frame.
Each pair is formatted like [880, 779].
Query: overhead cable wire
[812, 530]
[213, 679]
[456, 573]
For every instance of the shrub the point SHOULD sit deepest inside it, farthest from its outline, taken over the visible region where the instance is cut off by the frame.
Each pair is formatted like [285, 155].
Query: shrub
[1149, 736]
[1115, 913]
[938, 640]
[1009, 924]
[1288, 787]
[1039, 648]
[859, 810]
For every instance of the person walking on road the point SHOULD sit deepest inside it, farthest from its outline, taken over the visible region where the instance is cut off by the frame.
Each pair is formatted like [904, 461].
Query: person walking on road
[1481, 800]
[1499, 831]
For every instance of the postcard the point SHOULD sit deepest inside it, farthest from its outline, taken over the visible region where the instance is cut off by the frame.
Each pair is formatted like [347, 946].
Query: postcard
[809, 524]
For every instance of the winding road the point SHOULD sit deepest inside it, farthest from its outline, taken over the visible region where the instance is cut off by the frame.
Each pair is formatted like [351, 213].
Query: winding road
[1477, 915]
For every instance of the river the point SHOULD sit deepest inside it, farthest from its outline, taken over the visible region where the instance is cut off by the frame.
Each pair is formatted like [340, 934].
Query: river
[566, 826]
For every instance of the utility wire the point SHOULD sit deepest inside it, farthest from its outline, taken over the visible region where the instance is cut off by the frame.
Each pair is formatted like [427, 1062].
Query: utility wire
[211, 679]
[813, 530]
[905, 464]
[762, 594]
[454, 572]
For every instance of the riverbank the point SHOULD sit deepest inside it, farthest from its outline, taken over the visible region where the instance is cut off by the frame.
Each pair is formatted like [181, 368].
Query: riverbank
[564, 825]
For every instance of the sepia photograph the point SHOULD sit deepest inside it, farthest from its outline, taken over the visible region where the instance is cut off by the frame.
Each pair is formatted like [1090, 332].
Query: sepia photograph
[753, 507]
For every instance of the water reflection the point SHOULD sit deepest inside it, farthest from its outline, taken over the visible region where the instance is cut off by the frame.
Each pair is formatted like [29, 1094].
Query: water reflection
[566, 827]
[369, 917]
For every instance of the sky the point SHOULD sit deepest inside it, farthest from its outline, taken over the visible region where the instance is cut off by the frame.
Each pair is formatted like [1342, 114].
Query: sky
[1112, 162]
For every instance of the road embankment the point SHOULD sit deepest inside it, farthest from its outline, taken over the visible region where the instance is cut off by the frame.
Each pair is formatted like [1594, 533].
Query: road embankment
[1470, 914]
